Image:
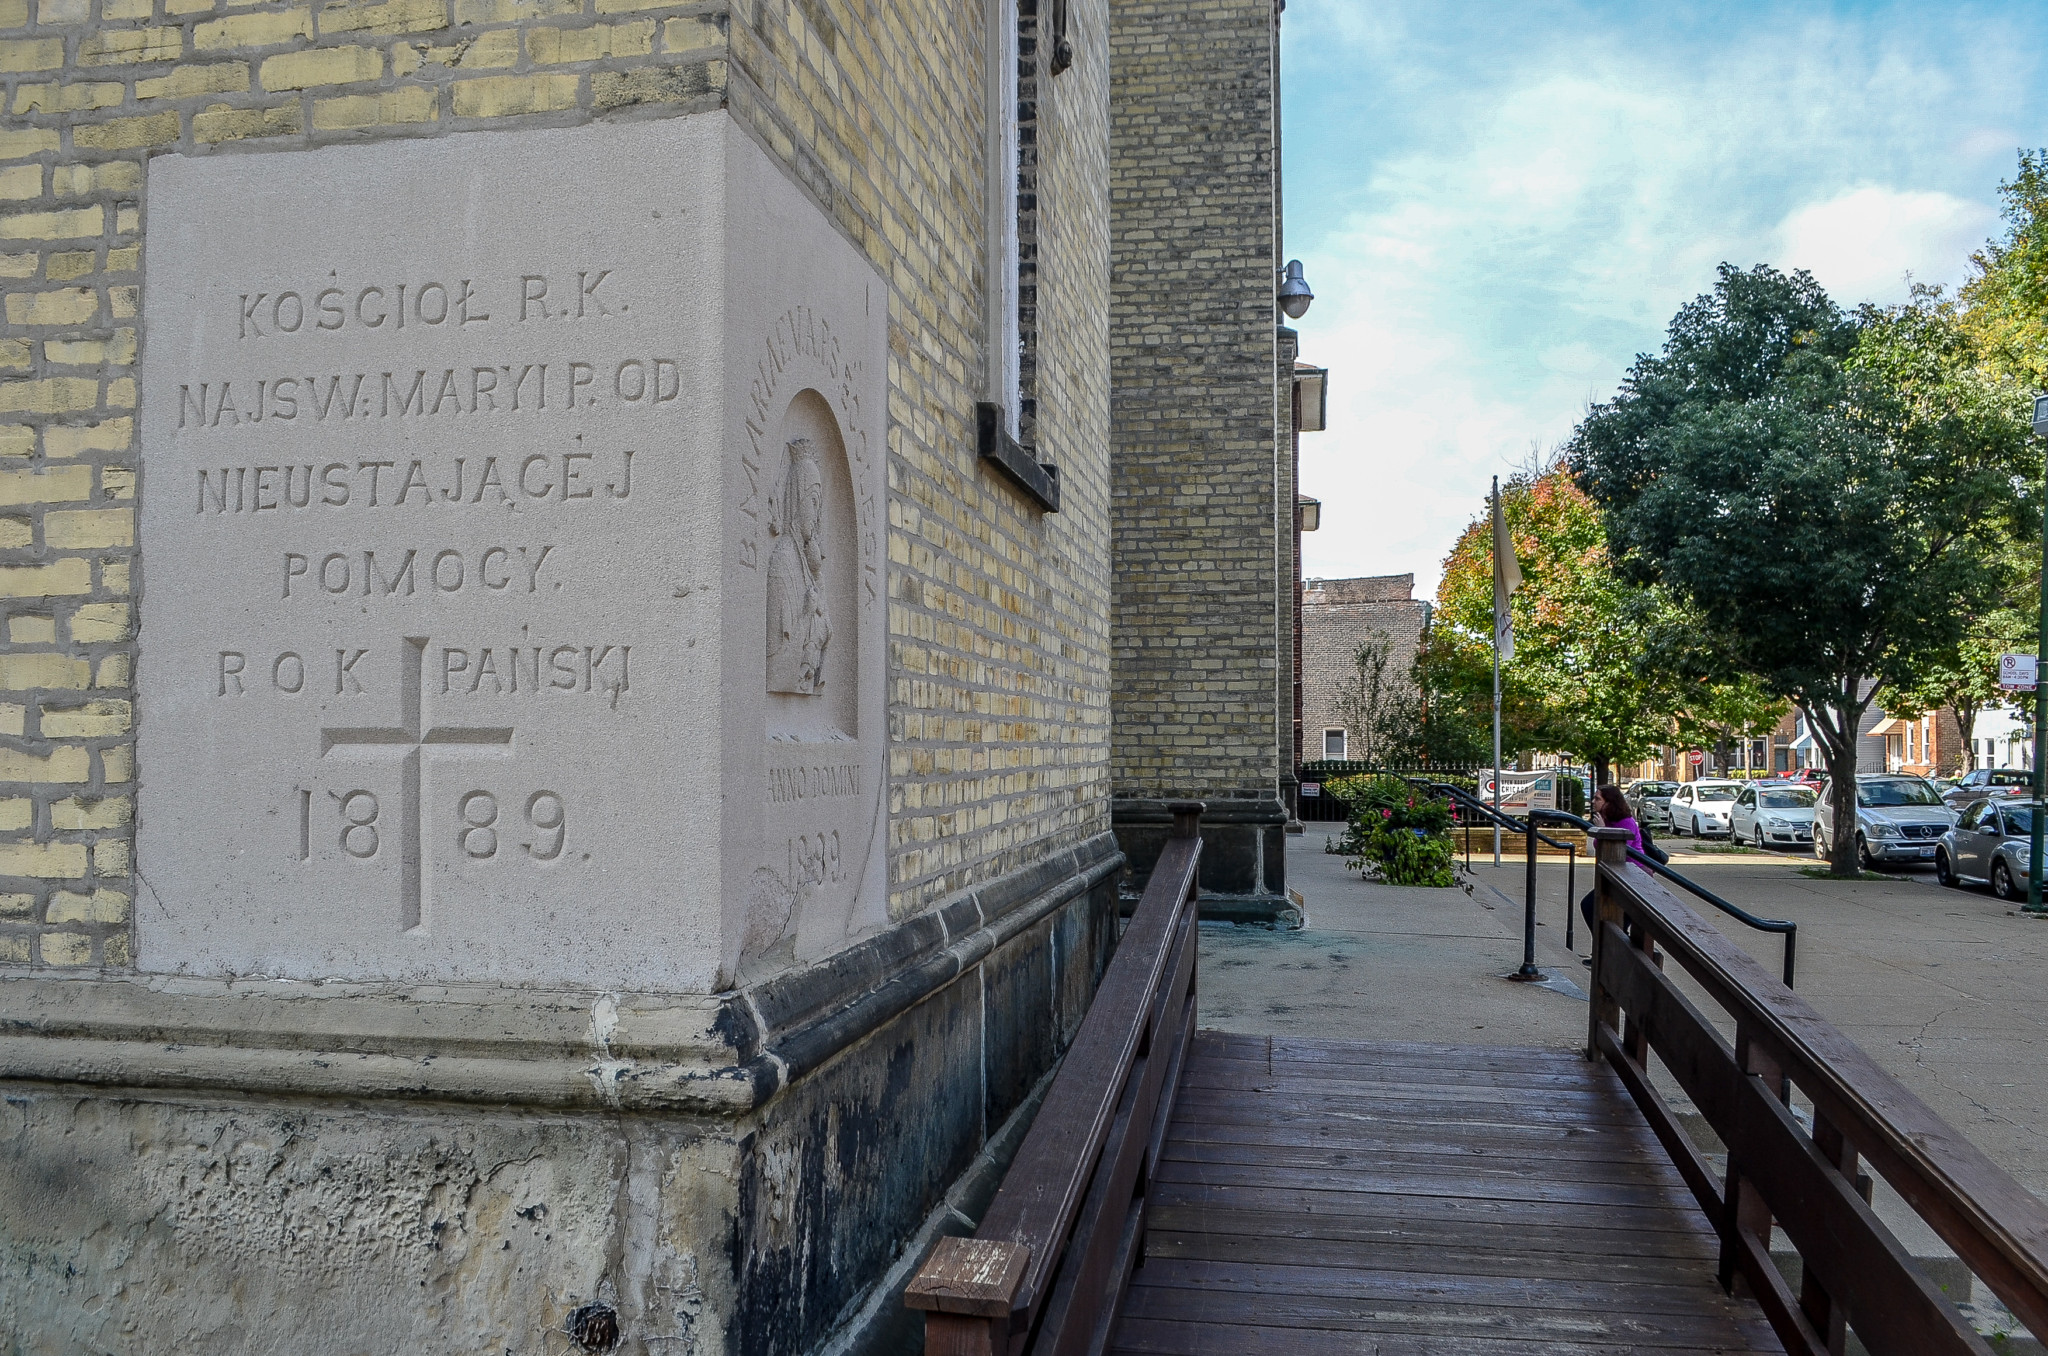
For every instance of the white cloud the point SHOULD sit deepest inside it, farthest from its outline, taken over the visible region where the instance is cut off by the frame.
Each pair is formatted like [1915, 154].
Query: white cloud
[1863, 244]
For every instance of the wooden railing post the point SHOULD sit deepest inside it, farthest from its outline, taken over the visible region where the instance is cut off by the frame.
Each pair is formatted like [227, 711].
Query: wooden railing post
[1610, 850]
[1828, 1317]
[968, 1286]
[1745, 1217]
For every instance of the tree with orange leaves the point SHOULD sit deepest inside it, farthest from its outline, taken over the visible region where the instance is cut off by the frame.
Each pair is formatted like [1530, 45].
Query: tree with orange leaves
[1604, 671]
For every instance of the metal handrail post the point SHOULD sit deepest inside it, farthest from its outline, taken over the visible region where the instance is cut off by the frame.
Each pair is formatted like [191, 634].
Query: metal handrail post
[1571, 898]
[1529, 972]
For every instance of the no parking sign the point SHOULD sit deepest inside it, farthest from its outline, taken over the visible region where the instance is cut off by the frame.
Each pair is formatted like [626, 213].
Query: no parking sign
[2016, 672]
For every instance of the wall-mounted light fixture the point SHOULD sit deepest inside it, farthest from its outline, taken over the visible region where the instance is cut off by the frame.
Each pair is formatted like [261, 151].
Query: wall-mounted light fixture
[1294, 291]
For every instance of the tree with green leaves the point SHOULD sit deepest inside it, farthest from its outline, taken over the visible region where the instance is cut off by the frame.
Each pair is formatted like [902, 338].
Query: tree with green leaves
[1378, 704]
[1602, 670]
[1788, 473]
[2005, 306]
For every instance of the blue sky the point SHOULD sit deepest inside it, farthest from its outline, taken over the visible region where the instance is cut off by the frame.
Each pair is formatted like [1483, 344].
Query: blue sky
[1499, 205]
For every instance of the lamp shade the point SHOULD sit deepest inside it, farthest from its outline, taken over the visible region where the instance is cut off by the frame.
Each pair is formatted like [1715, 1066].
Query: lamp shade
[1294, 292]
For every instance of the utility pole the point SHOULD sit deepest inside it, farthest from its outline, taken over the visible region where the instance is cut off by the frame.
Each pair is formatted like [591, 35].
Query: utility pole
[1499, 795]
[2040, 807]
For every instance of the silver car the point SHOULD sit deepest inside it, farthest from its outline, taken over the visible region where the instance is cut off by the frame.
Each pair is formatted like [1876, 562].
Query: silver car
[1773, 814]
[1899, 818]
[1652, 802]
[1990, 846]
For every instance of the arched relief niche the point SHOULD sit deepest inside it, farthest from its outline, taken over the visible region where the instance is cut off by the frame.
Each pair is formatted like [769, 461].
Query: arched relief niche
[811, 653]
[811, 625]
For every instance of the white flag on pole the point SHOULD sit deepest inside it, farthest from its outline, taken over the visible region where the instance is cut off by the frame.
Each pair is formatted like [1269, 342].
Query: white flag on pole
[1507, 577]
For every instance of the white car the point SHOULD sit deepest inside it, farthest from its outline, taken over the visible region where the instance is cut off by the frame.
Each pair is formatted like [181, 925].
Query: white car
[1701, 808]
[1773, 814]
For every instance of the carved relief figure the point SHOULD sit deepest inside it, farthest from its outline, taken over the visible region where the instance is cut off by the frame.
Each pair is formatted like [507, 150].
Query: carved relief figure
[798, 628]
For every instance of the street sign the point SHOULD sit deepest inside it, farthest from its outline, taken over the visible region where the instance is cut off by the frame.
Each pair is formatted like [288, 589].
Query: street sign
[2041, 416]
[1697, 758]
[2017, 672]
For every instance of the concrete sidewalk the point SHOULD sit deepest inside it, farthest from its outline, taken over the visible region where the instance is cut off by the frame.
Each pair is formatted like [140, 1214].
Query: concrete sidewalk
[1384, 962]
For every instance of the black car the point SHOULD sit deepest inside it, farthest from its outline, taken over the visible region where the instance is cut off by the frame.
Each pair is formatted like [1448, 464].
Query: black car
[2006, 782]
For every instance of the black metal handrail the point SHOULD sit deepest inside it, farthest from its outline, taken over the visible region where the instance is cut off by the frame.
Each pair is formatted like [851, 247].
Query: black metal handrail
[1789, 930]
[1532, 836]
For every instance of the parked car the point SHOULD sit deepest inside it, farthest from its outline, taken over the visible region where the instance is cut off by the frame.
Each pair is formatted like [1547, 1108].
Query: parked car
[1652, 802]
[1990, 845]
[1769, 814]
[1989, 781]
[1701, 808]
[1898, 819]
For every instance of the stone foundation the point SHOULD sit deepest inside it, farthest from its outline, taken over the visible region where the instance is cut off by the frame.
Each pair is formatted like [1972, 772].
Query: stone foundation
[1244, 856]
[230, 1166]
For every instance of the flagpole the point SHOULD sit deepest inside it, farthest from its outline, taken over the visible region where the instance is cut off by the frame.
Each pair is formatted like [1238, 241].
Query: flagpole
[1499, 794]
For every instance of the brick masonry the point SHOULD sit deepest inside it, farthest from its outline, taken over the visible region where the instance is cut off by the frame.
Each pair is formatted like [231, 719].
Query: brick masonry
[998, 630]
[1337, 616]
[1193, 417]
[1202, 512]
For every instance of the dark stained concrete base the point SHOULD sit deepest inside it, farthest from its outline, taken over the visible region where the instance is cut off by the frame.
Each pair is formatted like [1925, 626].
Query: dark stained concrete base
[1244, 855]
[192, 1165]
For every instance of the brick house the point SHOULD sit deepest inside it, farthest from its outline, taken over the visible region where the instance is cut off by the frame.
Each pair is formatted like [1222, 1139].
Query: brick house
[1338, 616]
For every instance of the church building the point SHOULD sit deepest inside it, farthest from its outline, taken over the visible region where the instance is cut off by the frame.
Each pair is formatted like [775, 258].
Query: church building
[597, 600]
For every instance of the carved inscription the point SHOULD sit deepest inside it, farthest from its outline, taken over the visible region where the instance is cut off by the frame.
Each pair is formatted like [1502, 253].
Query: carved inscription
[518, 596]
[534, 479]
[786, 784]
[280, 393]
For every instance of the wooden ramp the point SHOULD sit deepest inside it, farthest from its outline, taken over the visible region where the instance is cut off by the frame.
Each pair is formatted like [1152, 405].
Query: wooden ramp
[1419, 1200]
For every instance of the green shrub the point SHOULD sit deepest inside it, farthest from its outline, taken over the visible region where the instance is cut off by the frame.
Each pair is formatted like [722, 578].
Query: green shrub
[1403, 833]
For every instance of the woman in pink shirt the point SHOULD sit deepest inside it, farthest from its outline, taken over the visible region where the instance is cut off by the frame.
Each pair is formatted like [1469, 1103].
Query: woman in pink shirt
[1610, 811]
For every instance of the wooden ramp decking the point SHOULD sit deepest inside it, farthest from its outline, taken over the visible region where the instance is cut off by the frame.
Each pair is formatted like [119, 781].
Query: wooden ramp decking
[1419, 1200]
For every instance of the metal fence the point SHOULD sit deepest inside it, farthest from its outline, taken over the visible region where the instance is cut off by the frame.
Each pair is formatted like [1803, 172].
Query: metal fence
[1322, 807]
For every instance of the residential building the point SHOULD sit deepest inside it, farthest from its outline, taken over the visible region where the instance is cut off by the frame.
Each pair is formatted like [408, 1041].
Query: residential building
[1378, 613]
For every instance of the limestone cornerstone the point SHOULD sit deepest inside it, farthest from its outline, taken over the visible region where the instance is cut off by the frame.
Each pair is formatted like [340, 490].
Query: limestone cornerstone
[549, 800]
[523, 580]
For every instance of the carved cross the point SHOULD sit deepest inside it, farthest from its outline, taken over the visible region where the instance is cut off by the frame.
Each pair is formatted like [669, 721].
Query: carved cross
[408, 742]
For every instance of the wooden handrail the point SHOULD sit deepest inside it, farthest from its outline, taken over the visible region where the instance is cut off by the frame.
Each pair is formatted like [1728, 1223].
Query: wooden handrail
[1807, 1182]
[1047, 1268]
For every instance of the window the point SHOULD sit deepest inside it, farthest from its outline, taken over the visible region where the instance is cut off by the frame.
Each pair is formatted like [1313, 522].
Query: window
[1004, 338]
[1888, 791]
[1333, 744]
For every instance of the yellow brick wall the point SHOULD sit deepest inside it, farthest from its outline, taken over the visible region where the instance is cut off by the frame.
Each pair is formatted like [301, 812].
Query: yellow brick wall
[1203, 643]
[998, 614]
